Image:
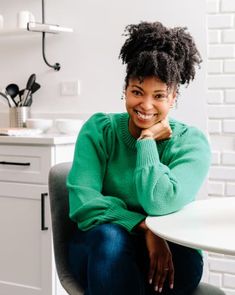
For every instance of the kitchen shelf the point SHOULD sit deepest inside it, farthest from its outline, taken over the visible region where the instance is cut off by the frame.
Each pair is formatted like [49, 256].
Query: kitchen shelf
[48, 28]
[42, 28]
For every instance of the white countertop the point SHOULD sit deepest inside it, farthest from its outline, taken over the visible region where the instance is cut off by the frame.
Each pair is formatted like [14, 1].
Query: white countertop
[204, 224]
[41, 139]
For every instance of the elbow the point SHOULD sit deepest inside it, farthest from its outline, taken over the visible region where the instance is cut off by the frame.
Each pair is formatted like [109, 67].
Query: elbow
[163, 203]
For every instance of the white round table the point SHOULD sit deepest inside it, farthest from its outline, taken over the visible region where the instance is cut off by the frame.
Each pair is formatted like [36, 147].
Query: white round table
[205, 224]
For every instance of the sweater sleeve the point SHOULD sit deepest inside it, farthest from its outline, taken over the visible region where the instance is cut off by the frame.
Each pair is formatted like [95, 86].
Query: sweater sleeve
[88, 206]
[165, 188]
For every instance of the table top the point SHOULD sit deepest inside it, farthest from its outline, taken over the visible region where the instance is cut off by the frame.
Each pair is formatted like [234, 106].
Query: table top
[204, 224]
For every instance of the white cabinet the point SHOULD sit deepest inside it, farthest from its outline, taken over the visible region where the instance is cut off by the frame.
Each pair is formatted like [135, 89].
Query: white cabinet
[26, 255]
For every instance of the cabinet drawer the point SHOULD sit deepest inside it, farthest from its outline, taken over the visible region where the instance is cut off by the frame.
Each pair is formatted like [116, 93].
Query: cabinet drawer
[22, 163]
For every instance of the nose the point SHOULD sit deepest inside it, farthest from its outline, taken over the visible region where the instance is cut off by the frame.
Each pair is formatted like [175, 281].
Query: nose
[147, 104]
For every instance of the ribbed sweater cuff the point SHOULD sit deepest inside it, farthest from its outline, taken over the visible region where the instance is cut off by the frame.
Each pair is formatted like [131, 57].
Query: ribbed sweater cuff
[128, 219]
[147, 153]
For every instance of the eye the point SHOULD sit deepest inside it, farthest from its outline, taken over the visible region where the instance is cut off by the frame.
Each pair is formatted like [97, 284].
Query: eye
[160, 97]
[136, 92]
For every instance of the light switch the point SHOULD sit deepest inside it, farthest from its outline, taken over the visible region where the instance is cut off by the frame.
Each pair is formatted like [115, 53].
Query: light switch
[70, 88]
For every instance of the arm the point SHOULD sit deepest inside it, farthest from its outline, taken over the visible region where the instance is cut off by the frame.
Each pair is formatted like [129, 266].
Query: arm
[88, 206]
[165, 187]
[160, 258]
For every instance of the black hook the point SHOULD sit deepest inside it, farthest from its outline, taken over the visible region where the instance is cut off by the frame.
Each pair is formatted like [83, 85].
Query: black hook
[56, 66]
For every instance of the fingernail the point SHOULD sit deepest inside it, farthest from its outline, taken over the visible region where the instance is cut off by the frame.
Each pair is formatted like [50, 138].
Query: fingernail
[156, 288]
[150, 281]
[171, 286]
[160, 290]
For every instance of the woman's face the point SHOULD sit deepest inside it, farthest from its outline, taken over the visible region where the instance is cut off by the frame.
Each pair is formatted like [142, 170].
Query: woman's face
[147, 102]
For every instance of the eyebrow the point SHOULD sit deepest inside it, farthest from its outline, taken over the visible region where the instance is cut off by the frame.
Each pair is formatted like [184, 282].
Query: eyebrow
[155, 91]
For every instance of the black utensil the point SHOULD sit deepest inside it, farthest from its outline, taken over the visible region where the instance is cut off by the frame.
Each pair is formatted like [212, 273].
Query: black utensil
[13, 91]
[29, 101]
[28, 89]
[35, 87]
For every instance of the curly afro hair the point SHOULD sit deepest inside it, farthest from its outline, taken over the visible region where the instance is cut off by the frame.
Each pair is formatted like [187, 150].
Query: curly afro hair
[151, 49]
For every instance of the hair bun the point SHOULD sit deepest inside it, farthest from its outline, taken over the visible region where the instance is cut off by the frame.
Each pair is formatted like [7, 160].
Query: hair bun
[161, 46]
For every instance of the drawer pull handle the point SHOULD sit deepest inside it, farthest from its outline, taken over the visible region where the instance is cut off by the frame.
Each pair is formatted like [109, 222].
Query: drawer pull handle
[15, 163]
[43, 227]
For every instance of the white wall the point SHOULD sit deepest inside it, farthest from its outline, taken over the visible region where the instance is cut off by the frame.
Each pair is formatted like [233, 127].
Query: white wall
[221, 122]
[90, 54]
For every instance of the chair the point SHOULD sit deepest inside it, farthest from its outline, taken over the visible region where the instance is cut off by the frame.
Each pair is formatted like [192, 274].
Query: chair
[62, 227]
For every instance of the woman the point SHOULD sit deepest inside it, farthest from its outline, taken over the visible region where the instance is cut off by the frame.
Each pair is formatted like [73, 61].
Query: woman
[130, 165]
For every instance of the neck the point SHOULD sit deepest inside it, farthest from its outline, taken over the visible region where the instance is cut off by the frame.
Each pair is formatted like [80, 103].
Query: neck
[134, 130]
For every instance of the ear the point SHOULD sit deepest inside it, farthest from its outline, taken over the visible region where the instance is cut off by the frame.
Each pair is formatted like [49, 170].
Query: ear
[124, 94]
[174, 97]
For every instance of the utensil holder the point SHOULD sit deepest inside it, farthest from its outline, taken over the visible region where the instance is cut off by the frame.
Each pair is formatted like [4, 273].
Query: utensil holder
[18, 116]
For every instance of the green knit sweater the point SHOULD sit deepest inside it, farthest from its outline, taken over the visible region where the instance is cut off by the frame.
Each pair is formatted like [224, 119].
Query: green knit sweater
[118, 179]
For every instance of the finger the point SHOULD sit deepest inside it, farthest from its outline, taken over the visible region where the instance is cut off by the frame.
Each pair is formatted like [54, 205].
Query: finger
[162, 279]
[152, 266]
[171, 274]
[158, 275]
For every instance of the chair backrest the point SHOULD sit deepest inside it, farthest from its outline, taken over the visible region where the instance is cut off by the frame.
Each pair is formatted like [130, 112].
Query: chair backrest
[206, 289]
[62, 226]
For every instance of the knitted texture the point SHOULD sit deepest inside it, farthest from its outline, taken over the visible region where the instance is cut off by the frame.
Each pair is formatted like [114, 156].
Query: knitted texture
[116, 178]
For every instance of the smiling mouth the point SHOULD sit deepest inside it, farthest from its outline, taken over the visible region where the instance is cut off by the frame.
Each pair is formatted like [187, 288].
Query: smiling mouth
[144, 116]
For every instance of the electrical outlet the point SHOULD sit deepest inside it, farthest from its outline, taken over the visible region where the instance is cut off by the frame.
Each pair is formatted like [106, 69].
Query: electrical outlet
[70, 88]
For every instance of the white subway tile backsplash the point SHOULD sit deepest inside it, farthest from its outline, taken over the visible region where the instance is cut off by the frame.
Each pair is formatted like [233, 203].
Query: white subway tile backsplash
[221, 51]
[215, 279]
[230, 189]
[222, 173]
[215, 96]
[212, 6]
[228, 158]
[220, 21]
[221, 81]
[229, 126]
[228, 36]
[215, 188]
[221, 111]
[214, 36]
[222, 265]
[229, 66]
[215, 158]
[221, 142]
[227, 5]
[229, 281]
[214, 126]
[230, 96]
[215, 66]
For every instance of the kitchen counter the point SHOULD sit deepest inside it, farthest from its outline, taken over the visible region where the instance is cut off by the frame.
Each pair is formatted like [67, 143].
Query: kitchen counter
[41, 139]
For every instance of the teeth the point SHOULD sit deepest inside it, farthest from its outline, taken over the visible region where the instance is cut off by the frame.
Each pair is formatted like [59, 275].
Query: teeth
[144, 117]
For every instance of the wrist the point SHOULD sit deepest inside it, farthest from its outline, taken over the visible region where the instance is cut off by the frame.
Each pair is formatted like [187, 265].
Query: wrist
[142, 226]
[145, 135]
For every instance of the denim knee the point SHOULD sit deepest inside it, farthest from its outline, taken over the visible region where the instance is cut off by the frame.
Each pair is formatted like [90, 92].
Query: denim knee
[112, 240]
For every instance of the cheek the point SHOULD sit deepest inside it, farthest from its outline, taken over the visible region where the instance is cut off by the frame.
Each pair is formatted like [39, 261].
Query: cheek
[129, 103]
[163, 110]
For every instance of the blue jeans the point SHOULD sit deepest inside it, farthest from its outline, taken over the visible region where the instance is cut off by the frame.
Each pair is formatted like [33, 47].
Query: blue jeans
[108, 260]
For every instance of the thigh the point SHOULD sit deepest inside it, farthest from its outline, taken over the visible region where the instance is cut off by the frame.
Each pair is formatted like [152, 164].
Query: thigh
[104, 259]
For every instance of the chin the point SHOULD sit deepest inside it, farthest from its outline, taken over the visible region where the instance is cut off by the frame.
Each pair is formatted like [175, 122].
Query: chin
[144, 125]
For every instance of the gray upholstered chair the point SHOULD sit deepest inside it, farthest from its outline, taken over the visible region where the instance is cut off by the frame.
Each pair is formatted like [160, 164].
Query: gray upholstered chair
[62, 227]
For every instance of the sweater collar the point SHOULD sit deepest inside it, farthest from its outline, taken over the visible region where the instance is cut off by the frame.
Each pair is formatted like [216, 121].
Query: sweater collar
[128, 139]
